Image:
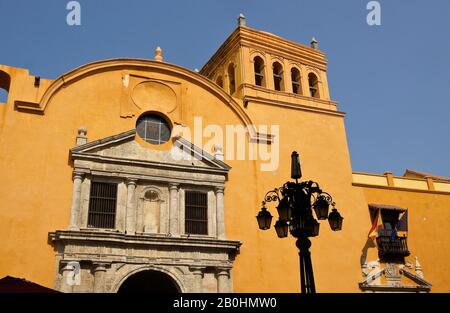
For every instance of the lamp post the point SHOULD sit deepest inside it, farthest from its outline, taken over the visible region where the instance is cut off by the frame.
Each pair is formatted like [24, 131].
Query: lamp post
[296, 203]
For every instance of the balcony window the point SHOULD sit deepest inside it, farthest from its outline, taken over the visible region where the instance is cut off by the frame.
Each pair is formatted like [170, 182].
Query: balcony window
[391, 246]
[391, 238]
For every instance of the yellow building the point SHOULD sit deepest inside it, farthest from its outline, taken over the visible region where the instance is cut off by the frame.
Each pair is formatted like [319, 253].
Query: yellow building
[124, 173]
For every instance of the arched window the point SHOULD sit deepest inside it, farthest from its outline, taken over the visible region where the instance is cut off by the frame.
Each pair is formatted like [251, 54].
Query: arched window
[278, 76]
[231, 78]
[313, 85]
[295, 77]
[219, 81]
[259, 71]
[5, 83]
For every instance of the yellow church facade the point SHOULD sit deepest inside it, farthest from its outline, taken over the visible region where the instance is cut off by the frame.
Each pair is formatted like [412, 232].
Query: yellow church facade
[128, 173]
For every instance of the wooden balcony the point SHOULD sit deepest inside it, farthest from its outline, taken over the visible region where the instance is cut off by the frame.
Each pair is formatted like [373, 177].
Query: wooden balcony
[391, 247]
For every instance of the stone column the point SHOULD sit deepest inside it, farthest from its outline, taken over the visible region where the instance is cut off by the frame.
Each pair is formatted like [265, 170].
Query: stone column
[220, 214]
[197, 272]
[71, 276]
[76, 196]
[173, 210]
[99, 277]
[223, 280]
[287, 80]
[130, 218]
[304, 81]
[226, 81]
[64, 286]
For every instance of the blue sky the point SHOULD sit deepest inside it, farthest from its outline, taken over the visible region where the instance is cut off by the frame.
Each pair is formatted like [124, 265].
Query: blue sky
[391, 80]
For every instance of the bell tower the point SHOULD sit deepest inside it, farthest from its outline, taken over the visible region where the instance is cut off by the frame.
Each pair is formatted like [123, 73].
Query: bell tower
[255, 66]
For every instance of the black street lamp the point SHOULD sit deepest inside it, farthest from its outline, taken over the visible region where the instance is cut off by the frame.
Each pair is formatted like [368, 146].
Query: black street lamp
[296, 203]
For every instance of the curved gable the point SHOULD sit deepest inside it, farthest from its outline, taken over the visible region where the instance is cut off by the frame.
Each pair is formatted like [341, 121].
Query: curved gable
[94, 68]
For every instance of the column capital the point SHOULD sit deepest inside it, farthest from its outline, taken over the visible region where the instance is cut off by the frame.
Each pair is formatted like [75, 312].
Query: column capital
[198, 274]
[99, 266]
[174, 186]
[131, 181]
[219, 189]
[197, 270]
[223, 271]
[223, 279]
[67, 266]
[77, 174]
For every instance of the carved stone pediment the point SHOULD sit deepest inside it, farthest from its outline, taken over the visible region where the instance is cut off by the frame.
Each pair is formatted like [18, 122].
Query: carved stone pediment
[125, 150]
[393, 277]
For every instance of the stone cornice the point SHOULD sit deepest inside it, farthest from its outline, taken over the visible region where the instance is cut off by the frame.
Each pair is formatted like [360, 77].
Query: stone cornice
[202, 153]
[295, 106]
[383, 288]
[154, 241]
[400, 189]
[164, 178]
[401, 183]
[104, 141]
[229, 44]
[319, 101]
[246, 36]
[152, 164]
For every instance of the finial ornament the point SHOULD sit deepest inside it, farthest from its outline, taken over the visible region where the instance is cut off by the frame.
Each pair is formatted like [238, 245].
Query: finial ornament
[418, 268]
[218, 152]
[314, 43]
[241, 20]
[82, 136]
[158, 54]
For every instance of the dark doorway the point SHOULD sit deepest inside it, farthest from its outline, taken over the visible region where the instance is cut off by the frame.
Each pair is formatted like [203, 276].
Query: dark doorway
[149, 282]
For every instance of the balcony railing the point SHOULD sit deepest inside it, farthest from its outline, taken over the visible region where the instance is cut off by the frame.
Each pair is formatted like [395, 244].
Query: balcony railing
[392, 246]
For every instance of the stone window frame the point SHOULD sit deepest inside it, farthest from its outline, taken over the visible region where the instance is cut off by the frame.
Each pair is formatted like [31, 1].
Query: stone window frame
[212, 210]
[83, 210]
[298, 82]
[157, 119]
[262, 69]
[215, 195]
[318, 83]
[101, 207]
